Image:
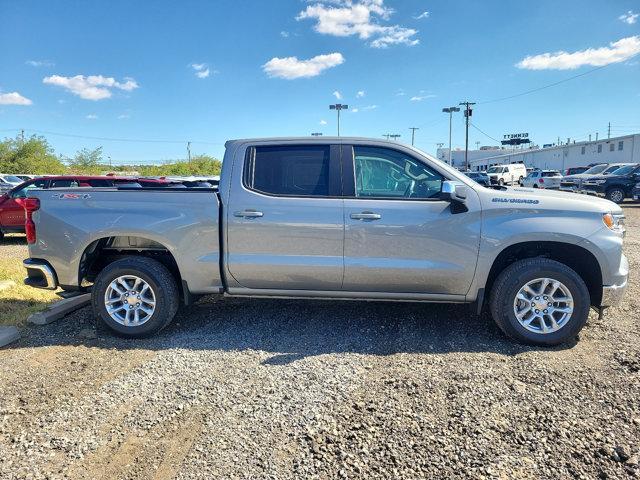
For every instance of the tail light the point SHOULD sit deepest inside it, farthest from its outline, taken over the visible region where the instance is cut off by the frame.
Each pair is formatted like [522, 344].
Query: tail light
[540, 180]
[30, 205]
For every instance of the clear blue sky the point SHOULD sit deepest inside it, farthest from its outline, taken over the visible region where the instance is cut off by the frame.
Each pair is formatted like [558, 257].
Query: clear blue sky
[209, 71]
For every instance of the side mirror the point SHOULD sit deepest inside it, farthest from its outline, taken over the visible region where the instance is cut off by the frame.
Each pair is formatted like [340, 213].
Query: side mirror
[453, 192]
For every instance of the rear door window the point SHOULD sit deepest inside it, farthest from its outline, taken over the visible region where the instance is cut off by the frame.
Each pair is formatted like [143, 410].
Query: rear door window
[289, 170]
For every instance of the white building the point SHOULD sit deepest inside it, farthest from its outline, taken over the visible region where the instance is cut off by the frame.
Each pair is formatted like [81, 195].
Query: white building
[457, 155]
[624, 149]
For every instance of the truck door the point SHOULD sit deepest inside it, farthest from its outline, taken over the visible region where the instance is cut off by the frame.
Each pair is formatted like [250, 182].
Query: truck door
[400, 237]
[285, 225]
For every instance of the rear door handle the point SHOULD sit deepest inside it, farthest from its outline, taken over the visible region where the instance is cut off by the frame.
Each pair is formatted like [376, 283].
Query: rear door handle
[248, 214]
[366, 216]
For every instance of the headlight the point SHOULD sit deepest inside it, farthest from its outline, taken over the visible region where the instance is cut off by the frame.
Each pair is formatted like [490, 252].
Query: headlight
[614, 222]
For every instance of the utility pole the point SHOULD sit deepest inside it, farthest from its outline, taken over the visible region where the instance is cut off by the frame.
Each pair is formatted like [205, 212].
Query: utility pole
[467, 113]
[22, 137]
[386, 135]
[596, 136]
[609, 131]
[413, 133]
[395, 136]
[189, 151]
[337, 107]
[478, 145]
[450, 111]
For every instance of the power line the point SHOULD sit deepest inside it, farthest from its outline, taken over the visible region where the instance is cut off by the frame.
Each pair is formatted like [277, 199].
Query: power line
[484, 133]
[544, 87]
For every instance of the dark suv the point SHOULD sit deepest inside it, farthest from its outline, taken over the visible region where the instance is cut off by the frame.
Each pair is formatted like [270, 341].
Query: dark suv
[616, 186]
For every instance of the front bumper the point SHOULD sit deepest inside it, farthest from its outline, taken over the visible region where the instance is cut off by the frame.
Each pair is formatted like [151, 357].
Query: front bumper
[612, 294]
[40, 274]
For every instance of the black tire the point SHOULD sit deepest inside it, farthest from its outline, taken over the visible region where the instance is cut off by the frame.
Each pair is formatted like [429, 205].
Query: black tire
[615, 195]
[535, 186]
[521, 181]
[515, 276]
[501, 182]
[1, 235]
[157, 276]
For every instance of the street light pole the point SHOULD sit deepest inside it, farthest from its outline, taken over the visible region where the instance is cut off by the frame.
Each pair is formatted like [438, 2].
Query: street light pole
[395, 136]
[338, 107]
[450, 111]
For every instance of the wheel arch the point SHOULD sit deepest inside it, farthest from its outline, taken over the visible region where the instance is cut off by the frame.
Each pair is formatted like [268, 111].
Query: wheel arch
[105, 250]
[578, 258]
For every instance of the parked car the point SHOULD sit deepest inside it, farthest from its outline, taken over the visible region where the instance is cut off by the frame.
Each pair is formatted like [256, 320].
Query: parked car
[575, 170]
[338, 219]
[24, 177]
[615, 187]
[12, 211]
[479, 177]
[543, 179]
[635, 193]
[573, 183]
[11, 179]
[5, 186]
[511, 174]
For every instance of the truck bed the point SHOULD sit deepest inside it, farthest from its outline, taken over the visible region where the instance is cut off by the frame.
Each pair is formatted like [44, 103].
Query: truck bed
[180, 222]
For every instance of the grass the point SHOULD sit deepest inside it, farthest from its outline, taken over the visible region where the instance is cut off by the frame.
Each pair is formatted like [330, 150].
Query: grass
[18, 301]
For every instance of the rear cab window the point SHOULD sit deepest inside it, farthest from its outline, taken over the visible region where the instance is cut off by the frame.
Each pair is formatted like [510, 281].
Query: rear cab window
[292, 170]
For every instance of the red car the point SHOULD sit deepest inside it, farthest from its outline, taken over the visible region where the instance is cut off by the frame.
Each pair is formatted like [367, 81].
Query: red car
[12, 213]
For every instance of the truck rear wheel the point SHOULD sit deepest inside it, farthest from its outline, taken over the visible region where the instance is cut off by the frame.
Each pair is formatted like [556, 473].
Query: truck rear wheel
[539, 301]
[135, 296]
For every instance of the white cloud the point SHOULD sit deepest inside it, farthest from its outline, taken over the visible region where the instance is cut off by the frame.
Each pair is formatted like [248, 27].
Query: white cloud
[123, 116]
[201, 70]
[337, 94]
[91, 116]
[290, 67]
[370, 107]
[360, 94]
[629, 18]
[619, 51]
[359, 18]
[400, 93]
[284, 34]
[419, 98]
[14, 98]
[323, 122]
[39, 63]
[91, 87]
[424, 14]
[355, 110]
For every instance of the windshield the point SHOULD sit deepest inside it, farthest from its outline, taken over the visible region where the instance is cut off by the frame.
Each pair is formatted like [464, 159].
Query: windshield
[611, 169]
[12, 179]
[623, 170]
[495, 170]
[551, 173]
[596, 169]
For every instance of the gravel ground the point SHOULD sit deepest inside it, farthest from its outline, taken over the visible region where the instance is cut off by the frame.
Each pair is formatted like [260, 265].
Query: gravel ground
[310, 389]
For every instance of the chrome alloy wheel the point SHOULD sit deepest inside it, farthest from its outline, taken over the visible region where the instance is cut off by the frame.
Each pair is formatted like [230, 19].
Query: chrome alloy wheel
[543, 305]
[130, 300]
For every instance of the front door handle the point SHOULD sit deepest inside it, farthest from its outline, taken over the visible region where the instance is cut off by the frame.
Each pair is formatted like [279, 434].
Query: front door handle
[366, 216]
[248, 214]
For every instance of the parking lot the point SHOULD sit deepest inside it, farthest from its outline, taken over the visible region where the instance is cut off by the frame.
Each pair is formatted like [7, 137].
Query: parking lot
[241, 388]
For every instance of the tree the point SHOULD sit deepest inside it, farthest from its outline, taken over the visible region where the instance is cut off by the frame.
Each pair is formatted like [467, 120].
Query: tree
[32, 156]
[86, 161]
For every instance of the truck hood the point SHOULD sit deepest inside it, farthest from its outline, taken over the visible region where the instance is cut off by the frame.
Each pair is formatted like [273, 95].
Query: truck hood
[550, 200]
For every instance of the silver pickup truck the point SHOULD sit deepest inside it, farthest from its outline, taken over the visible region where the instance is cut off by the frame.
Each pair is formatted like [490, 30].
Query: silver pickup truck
[333, 218]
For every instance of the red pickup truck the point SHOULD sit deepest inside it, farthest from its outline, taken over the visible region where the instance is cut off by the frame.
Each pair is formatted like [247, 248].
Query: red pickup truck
[12, 212]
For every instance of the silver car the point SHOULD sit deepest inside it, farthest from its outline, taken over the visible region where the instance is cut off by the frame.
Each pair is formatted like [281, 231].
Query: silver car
[549, 179]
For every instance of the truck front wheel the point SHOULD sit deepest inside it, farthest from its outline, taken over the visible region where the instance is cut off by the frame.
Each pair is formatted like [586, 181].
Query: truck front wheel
[135, 296]
[539, 301]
